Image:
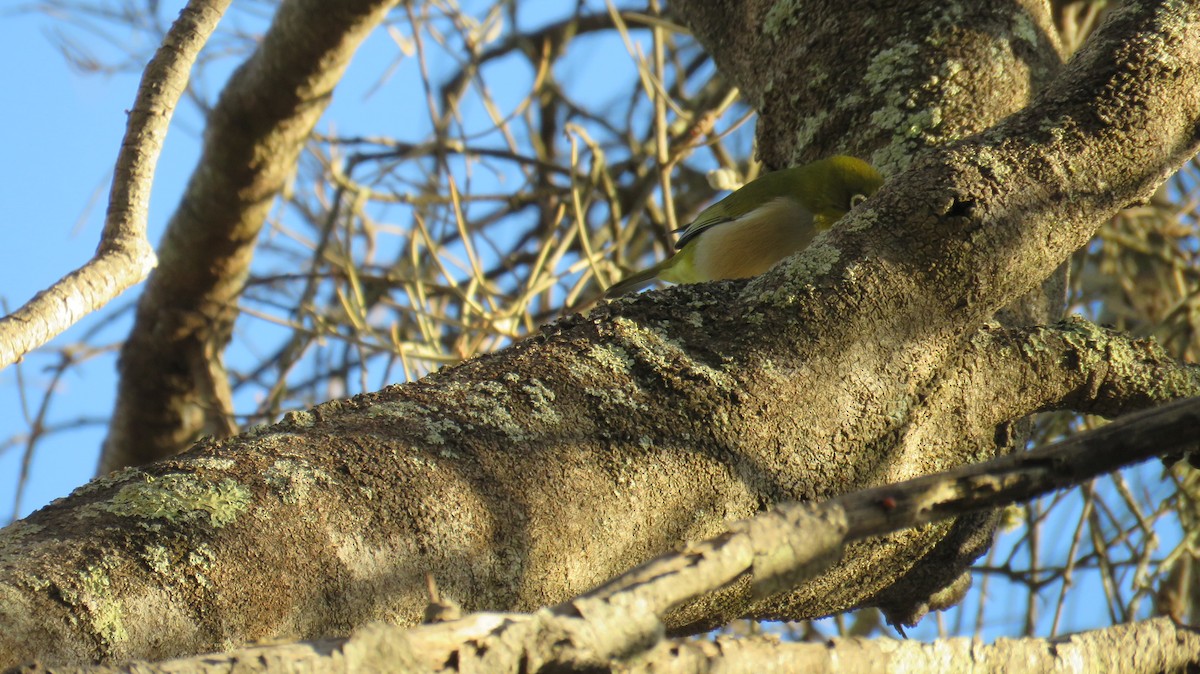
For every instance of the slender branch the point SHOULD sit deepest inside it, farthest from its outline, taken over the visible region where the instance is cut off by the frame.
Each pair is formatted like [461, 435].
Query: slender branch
[124, 256]
[1161, 646]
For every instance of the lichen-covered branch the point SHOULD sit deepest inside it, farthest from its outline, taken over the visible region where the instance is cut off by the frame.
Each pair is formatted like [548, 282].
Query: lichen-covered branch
[908, 79]
[1073, 365]
[622, 620]
[1161, 646]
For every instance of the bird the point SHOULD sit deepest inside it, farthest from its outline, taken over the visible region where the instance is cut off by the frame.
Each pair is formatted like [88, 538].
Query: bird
[761, 223]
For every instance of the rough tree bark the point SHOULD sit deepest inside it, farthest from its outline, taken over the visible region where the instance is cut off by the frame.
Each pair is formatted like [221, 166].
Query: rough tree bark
[527, 476]
[617, 627]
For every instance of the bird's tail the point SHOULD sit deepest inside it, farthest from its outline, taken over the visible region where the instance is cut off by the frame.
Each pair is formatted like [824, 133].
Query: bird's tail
[633, 282]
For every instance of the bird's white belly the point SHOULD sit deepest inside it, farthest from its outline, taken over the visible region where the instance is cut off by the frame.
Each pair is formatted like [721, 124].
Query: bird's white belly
[753, 243]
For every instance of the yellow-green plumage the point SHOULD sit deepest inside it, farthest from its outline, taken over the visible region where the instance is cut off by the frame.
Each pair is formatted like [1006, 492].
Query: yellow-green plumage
[765, 221]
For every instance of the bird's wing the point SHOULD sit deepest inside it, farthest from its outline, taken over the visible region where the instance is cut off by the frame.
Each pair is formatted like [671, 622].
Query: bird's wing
[702, 222]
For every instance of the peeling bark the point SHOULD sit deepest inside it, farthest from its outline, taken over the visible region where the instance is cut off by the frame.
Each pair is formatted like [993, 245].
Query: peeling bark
[1161, 646]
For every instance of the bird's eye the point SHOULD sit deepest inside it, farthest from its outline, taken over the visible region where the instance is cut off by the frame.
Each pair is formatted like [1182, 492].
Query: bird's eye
[857, 199]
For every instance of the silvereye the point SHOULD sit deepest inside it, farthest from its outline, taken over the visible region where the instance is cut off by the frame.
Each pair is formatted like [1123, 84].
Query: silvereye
[770, 218]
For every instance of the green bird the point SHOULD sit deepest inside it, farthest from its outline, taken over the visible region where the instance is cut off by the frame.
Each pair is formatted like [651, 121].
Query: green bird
[765, 221]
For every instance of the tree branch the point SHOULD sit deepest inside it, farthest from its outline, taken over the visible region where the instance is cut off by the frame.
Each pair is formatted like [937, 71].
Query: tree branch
[1073, 365]
[621, 622]
[123, 257]
[1161, 646]
[173, 384]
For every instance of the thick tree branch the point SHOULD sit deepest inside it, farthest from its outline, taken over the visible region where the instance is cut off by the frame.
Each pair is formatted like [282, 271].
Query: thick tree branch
[1007, 373]
[885, 89]
[622, 620]
[124, 257]
[1073, 365]
[1002, 209]
[173, 384]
